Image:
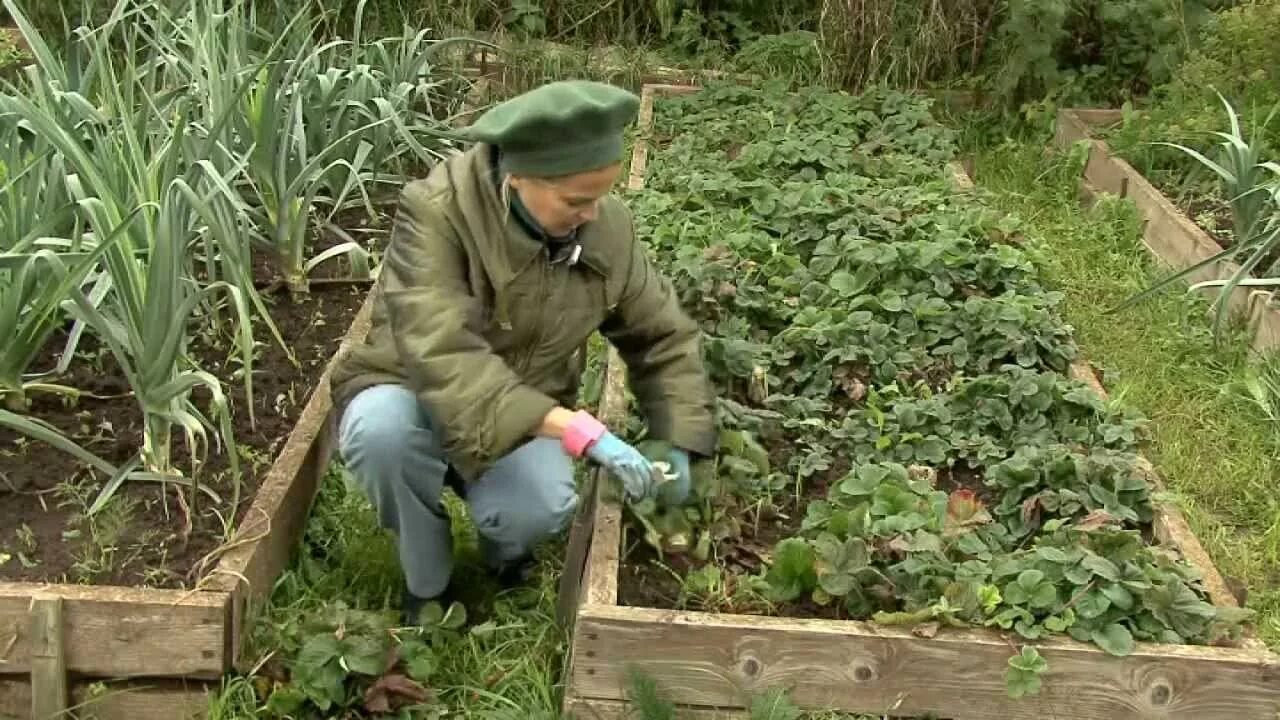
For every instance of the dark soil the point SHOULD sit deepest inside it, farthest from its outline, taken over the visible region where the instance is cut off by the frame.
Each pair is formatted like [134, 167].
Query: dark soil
[645, 580]
[355, 223]
[1199, 206]
[139, 538]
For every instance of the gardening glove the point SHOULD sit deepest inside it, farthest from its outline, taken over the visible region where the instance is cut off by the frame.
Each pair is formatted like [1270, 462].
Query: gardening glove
[586, 436]
[675, 491]
[675, 484]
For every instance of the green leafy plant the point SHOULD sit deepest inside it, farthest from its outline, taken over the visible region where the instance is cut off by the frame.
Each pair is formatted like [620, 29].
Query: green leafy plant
[347, 659]
[1023, 675]
[889, 347]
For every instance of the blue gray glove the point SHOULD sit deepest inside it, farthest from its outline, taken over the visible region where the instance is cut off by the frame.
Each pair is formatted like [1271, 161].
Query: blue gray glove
[625, 463]
[676, 491]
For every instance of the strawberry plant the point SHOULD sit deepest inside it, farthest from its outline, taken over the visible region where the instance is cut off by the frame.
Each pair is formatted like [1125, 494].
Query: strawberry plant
[346, 661]
[893, 381]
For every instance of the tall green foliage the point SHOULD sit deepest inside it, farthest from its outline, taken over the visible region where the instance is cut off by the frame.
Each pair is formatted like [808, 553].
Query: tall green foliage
[1101, 48]
[1237, 56]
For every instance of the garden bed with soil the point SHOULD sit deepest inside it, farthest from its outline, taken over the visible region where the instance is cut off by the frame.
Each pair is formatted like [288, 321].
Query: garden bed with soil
[923, 503]
[142, 538]
[1171, 236]
[186, 627]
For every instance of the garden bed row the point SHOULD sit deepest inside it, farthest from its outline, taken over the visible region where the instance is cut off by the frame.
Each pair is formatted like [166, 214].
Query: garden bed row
[168, 642]
[710, 661]
[1173, 240]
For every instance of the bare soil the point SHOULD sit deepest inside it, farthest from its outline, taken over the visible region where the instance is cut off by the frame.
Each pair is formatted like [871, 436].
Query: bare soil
[139, 539]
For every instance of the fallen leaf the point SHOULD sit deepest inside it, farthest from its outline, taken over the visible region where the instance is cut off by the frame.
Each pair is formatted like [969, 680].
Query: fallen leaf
[1095, 520]
[392, 692]
[1031, 510]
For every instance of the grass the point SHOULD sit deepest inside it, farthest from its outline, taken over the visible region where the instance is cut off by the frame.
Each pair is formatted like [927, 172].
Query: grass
[1214, 446]
[511, 665]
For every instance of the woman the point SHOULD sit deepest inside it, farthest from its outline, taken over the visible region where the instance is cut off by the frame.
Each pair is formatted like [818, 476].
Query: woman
[502, 262]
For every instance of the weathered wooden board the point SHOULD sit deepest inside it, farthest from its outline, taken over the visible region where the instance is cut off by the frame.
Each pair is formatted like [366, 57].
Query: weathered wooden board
[1169, 235]
[48, 661]
[1168, 524]
[580, 709]
[576, 580]
[122, 632]
[266, 539]
[134, 700]
[722, 660]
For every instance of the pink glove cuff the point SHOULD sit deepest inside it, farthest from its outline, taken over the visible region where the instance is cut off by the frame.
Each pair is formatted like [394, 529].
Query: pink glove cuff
[583, 430]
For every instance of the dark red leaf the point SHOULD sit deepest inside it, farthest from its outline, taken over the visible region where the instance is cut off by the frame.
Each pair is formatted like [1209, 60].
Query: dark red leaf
[1096, 520]
[392, 692]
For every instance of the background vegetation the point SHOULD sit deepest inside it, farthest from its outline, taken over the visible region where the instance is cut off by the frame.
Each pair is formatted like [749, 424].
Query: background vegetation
[1014, 49]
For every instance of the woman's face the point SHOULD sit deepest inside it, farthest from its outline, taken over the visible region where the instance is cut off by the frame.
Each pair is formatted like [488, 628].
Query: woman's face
[561, 205]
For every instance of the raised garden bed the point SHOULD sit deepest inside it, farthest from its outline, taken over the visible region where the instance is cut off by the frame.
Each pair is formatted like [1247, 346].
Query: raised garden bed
[826, 653]
[167, 642]
[1173, 239]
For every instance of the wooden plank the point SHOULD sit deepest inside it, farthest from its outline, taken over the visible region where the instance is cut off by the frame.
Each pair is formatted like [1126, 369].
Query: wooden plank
[601, 576]
[122, 632]
[719, 660]
[644, 129]
[640, 149]
[612, 412]
[48, 661]
[1264, 320]
[959, 177]
[577, 549]
[583, 709]
[133, 700]
[1168, 524]
[1169, 235]
[269, 533]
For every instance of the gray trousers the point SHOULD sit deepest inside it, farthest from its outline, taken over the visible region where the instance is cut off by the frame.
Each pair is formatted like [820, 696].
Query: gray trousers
[387, 442]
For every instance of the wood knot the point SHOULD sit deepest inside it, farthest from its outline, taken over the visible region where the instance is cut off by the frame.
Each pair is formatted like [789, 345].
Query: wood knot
[863, 673]
[751, 667]
[1161, 694]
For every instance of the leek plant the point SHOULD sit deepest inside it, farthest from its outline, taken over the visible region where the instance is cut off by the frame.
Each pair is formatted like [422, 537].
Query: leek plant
[35, 276]
[1252, 186]
[145, 164]
[206, 50]
[127, 177]
[319, 115]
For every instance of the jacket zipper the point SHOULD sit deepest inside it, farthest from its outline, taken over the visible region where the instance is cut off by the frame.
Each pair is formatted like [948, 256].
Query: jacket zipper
[543, 264]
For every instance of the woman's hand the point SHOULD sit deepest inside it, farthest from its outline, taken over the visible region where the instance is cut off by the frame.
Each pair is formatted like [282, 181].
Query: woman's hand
[676, 491]
[625, 463]
[584, 436]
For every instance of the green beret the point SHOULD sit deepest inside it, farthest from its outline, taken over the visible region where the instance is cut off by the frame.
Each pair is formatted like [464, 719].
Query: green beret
[561, 128]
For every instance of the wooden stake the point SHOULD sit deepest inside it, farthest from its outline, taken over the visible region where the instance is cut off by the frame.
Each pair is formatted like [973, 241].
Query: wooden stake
[48, 662]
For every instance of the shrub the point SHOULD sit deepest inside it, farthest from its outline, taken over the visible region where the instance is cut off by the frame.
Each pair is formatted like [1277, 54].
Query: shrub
[1239, 57]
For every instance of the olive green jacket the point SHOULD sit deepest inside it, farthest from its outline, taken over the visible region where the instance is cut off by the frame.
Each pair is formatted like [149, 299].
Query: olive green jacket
[474, 317]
